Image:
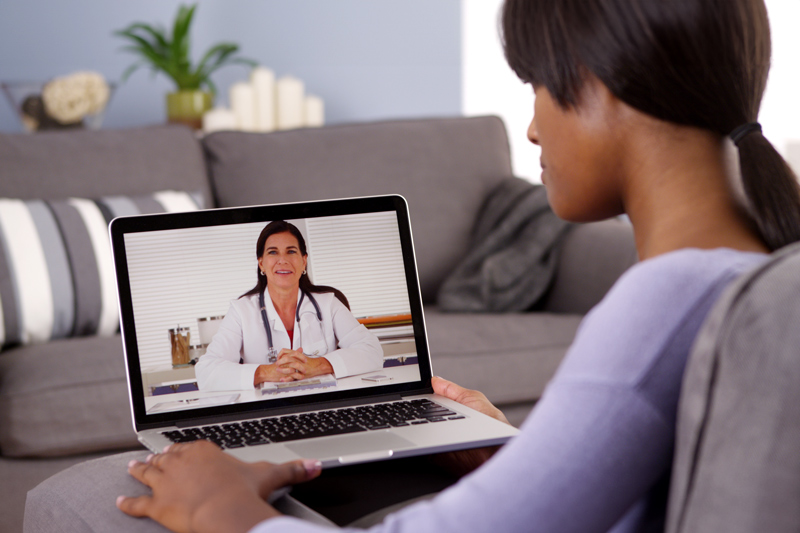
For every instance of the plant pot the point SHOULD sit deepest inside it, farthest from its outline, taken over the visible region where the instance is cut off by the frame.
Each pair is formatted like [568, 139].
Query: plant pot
[187, 107]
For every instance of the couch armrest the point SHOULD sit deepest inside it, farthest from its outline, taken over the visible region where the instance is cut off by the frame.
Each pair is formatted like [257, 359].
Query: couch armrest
[593, 257]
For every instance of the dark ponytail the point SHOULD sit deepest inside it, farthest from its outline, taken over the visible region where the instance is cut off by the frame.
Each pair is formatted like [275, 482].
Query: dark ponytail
[281, 226]
[700, 63]
[772, 189]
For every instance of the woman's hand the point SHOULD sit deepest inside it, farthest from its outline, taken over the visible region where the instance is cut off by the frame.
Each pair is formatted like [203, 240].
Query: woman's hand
[291, 366]
[471, 398]
[316, 366]
[463, 462]
[198, 487]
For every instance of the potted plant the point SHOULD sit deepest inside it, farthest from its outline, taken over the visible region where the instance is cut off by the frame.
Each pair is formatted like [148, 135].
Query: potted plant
[170, 55]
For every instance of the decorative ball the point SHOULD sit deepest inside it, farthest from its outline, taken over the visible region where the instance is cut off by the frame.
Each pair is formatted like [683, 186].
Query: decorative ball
[69, 99]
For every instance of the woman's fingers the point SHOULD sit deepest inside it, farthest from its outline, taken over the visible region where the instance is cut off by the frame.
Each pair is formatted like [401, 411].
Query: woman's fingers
[448, 389]
[293, 368]
[293, 472]
[138, 506]
[292, 362]
[193, 482]
[471, 398]
[144, 472]
[286, 355]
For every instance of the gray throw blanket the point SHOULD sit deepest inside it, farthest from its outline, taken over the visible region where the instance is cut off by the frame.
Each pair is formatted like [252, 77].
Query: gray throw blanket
[514, 253]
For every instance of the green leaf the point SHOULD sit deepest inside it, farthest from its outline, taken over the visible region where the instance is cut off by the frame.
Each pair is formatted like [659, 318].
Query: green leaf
[170, 54]
[215, 57]
[159, 39]
[143, 44]
[180, 35]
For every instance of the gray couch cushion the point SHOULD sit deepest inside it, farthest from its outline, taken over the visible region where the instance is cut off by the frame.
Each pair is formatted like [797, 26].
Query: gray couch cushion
[66, 396]
[509, 357]
[737, 463]
[444, 168]
[91, 164]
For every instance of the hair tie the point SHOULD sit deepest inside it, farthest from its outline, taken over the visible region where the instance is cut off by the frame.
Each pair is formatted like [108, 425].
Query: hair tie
[743, 131]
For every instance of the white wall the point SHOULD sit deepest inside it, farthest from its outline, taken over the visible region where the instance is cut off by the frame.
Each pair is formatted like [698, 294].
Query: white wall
[490, 87]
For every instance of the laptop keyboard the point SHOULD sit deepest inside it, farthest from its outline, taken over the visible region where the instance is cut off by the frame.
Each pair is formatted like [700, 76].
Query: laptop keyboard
[318, 424]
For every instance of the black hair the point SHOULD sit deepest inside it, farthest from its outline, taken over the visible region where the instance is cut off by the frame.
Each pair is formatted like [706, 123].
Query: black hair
[281, 226]
[700, 63]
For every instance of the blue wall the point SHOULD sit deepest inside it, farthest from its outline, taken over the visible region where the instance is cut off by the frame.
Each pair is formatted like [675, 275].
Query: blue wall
[369, 60]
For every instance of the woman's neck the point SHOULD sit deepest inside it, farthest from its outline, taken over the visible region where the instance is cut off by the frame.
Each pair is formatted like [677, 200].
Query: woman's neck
[285, 303]
[679, 195]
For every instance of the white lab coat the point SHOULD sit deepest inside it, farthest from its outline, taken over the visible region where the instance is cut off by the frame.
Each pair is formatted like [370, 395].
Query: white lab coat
[348, 345]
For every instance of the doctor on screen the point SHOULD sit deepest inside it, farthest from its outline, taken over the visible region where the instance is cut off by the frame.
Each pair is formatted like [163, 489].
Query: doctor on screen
[286, 328]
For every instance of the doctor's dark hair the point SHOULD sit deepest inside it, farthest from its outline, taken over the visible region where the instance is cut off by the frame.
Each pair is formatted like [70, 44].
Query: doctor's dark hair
[281, 226]
[700, 63]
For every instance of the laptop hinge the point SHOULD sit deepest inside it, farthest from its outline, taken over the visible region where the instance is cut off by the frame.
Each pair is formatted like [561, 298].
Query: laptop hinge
[291, 410]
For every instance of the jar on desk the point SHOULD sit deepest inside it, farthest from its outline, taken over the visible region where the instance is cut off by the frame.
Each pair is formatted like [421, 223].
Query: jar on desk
[179, 340]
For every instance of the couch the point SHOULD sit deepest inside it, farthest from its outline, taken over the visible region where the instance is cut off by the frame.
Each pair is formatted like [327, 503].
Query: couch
[65, 400]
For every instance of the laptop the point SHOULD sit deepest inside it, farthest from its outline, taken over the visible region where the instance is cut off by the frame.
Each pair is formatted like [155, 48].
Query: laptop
[177, 274]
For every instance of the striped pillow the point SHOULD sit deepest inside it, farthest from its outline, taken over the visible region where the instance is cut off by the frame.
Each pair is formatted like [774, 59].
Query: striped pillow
[56, 271]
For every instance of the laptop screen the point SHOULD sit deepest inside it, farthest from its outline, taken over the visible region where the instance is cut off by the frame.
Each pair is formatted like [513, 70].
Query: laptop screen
[203, 337]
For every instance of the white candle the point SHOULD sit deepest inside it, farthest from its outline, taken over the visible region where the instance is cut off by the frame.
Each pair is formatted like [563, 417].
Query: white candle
[219, 119]
[243, 105]
[315, 112]
[291, 109]
[263, 80]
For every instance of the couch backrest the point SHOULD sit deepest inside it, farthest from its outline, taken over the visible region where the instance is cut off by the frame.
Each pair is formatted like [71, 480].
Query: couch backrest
[592, 257]
[444, 168]
[737, 462]
[91, 164]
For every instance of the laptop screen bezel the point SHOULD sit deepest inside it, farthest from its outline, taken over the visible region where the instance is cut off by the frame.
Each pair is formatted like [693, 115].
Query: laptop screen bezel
[122, 226]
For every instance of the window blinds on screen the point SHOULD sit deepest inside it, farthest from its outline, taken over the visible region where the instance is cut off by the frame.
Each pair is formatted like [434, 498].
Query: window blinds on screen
[361, 256]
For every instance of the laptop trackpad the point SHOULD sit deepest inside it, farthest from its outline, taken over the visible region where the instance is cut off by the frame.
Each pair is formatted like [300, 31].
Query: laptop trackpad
[362, 445]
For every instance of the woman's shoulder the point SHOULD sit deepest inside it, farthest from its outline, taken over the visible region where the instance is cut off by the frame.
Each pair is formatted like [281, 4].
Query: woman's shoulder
[667, 287]
[654, 301]
[639, 336]
[687, 270]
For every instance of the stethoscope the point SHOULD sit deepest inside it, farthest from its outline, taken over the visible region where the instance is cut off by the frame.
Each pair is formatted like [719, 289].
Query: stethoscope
[272, 353]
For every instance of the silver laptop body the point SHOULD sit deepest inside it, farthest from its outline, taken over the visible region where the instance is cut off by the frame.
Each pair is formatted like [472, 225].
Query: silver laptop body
[176, 274]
